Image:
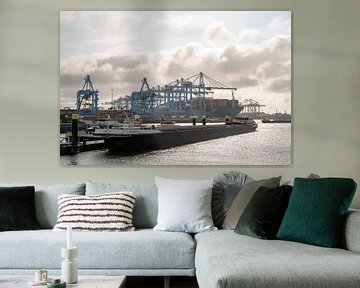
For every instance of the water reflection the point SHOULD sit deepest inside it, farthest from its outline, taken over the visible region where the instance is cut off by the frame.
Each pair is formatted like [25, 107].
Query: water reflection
[269, 145]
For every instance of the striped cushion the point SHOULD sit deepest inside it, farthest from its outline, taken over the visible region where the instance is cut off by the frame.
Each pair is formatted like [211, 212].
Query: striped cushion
[105, 212]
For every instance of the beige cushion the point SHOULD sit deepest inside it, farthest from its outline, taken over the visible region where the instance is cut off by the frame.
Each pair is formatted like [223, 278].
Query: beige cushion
[243, 198]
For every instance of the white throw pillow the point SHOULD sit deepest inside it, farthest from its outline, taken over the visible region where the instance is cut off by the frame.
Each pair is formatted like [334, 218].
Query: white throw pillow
[105, 212]
[184, 205]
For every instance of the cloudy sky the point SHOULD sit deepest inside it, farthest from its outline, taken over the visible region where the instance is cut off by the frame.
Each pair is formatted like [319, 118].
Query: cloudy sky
[250, 50]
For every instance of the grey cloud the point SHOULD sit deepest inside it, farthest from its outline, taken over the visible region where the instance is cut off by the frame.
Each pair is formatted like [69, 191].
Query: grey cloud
[236, 67]
[133, 78]
[244, 62]
[77, 81]
[182, 60]
[71, 81]
[176, 70]
[250, 61]
[124, 62]
[280, 85]
[283, 45]
[270, 64]
[287, 100]
[219, 31]
[274, 69]
[142, 30]
[247, 82]
[279, 60]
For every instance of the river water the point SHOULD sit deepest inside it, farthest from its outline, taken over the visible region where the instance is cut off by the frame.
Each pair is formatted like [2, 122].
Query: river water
[269, 145]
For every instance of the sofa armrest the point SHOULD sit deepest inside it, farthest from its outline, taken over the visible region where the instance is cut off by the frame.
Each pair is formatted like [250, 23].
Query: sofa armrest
[351, 234]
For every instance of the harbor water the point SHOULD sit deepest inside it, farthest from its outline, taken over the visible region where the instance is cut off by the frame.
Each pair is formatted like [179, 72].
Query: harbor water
[269, 145]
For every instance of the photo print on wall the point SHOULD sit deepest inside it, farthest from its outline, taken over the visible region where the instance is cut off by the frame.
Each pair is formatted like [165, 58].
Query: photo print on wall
[175, 88]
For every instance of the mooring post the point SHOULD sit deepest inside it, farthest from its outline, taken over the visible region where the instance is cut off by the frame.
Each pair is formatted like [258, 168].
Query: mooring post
[227, 119]
[194, 121]
[167, 282]
[74, 129]
[204, 120]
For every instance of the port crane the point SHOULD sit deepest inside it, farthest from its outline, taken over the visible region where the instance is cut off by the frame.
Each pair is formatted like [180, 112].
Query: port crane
[176, 98]
[251, 106]
[144, 100]
[87, 99]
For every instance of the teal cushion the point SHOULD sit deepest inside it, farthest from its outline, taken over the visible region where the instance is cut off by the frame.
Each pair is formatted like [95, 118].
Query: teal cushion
[316, 211]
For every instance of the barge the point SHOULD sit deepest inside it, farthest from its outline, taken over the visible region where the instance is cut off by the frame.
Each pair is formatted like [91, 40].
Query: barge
[148, 138]
[277, 118]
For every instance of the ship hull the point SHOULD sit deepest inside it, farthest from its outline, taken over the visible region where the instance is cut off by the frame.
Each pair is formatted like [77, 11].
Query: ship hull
[275, 121]
[172, 137]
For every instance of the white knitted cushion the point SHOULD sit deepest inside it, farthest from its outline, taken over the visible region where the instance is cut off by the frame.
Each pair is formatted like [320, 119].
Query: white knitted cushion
[105, 212]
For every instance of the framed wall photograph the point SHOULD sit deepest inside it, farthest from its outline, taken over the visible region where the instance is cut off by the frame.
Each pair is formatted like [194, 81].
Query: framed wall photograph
[175, 88]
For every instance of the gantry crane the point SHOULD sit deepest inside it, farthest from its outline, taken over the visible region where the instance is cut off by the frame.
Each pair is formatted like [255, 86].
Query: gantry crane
[87, 99]
[176, 97]
[251, 106]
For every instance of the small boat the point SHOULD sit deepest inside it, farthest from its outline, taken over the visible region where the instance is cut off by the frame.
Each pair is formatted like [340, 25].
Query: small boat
[65, 145]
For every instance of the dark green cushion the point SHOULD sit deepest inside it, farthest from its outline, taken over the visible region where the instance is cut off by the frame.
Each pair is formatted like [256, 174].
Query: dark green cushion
[263, 214]
[316, 211]
[17, 208]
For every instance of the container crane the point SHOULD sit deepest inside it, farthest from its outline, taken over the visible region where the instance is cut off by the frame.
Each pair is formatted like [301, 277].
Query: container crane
[87, 100]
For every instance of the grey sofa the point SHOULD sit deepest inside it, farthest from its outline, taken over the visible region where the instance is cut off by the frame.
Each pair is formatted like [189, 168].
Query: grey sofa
[226, 259]
[143, 252]
[218, 259]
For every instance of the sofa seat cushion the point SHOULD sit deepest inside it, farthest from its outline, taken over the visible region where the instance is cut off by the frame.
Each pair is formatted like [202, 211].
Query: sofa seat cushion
[142, 249]
[226, 259]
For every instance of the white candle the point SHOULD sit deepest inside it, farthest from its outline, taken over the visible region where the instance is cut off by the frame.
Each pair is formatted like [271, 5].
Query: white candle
[69, 239]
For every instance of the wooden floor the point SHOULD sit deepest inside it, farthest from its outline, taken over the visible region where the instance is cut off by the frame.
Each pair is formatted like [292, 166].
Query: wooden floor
[158, 282]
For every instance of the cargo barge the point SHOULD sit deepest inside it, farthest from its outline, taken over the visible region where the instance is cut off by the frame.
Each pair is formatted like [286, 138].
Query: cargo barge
[277, 118]
[137, 139]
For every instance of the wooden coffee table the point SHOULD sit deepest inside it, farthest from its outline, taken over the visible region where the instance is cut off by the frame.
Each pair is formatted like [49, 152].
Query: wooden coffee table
[83, 282]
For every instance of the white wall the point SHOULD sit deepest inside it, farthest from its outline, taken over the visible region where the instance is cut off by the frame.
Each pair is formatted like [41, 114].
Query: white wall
[326, 90]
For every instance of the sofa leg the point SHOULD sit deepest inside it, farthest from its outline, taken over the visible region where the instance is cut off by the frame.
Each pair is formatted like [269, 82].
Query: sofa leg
[167, 282]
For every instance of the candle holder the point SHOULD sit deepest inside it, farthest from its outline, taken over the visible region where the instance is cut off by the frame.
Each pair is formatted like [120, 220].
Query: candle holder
[68, 265]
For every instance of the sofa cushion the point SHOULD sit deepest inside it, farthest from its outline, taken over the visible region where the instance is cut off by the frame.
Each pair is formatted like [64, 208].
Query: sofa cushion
[225, 259]
[184, 205]
[310, 176]
[46, 200]
[350, 239]
[142, 249]
[105, 212]
[225, 189]
[17, 208]
[243, 198]
[263, 215]
[146, 205]
[317, 209]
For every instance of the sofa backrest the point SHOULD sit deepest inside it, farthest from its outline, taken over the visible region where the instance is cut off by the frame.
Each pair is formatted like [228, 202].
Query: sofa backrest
[46, 200]
[146, 203]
